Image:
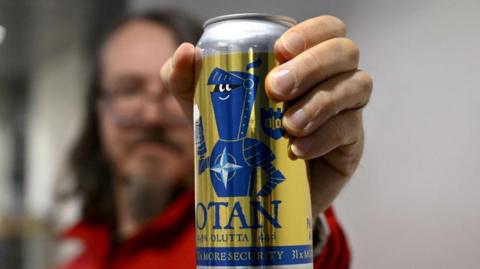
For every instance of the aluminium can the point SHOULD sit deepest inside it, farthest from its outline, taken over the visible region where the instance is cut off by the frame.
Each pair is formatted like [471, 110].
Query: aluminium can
[252, 202]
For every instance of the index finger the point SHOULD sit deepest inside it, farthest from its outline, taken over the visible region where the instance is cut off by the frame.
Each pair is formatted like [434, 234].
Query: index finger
[307, 34]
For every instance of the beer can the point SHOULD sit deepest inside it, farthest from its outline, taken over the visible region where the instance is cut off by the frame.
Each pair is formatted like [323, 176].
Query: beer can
[252, 201]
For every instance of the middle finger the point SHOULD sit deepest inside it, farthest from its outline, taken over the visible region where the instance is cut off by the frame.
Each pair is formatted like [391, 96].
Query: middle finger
[345, 91]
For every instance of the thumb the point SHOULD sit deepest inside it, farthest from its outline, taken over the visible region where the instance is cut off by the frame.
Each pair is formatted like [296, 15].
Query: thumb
[178, 76]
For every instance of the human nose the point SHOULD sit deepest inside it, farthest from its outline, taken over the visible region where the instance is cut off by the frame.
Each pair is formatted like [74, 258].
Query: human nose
[155, 111]
[163, 110]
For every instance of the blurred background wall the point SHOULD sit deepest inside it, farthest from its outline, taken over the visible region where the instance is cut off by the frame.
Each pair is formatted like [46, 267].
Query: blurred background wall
[413, 202]
[44, 66]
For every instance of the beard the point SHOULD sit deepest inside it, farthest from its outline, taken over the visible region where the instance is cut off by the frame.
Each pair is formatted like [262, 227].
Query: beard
[147, 197]
[150, 178]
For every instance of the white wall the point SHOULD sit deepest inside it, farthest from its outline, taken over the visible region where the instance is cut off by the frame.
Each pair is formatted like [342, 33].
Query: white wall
[413, 203]
[58, 88]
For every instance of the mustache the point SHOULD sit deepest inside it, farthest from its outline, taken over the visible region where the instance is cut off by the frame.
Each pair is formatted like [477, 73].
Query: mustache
[155, 135]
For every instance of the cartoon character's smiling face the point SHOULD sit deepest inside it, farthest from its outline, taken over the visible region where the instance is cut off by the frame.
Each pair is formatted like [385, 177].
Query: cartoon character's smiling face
[224, 90]
[228, 104]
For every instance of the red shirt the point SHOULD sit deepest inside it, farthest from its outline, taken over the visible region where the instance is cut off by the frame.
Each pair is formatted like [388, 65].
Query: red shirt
[169, 242]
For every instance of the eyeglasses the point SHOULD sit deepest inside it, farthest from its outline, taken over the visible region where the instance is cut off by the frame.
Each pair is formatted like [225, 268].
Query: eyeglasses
[127, 105]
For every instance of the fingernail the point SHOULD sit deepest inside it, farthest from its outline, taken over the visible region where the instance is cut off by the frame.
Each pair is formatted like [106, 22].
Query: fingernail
[282, 81]
[294, 42]
[298, 120]
[301, 147]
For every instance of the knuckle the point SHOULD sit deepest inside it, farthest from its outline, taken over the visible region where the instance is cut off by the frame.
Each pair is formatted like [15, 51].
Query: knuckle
[348, 48]
[352, 157]
[351, 162]
[353, 51]
[326, 102]
[347, 127]
[337, 26]
[356, 127]
[353, 119]
[365, 80]
[357, 123]
[349, 136]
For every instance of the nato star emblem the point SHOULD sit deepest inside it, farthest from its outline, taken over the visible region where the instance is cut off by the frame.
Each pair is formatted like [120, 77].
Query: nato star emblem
[224, 167]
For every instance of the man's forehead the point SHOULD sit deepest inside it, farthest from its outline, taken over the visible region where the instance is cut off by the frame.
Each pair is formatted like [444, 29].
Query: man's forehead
[140, 45]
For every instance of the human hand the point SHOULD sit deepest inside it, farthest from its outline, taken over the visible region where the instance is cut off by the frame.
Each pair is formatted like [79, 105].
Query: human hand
[326, 95]
[319, 78]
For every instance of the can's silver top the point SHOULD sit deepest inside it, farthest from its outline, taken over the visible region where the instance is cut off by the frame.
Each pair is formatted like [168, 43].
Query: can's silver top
[289, 22]
[242, 33]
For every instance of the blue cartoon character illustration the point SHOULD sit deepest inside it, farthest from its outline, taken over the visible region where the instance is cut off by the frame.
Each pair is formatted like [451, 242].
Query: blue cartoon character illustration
[235, 158]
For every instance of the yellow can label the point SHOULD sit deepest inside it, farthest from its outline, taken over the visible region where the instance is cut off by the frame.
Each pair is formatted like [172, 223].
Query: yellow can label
[252, 201]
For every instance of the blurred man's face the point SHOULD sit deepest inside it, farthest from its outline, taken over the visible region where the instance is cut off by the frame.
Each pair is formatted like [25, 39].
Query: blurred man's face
[143, 129]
